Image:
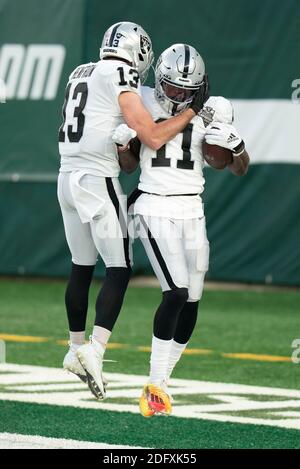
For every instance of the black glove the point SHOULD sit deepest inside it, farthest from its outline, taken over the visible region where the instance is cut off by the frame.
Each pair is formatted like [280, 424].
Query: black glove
[201, 96]
[206, 87]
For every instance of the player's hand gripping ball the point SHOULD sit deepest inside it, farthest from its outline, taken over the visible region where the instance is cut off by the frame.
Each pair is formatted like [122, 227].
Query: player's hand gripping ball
[217, 157]
[219, 142]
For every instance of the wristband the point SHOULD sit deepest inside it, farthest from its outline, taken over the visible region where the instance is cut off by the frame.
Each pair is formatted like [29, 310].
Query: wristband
[126, 148]
[238, 150]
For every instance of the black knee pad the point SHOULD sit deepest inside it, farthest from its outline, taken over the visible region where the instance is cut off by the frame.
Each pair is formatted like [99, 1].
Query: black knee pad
[186, 322]
[111, 295]
[76, 296]
[118, 274]
[166, 316]
[178, 296]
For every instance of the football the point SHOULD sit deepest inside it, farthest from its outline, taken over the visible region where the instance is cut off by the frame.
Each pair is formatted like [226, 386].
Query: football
[217, 157]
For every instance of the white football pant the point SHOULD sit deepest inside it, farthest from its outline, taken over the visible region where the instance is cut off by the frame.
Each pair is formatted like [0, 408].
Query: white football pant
[178, 251]
[94, 211]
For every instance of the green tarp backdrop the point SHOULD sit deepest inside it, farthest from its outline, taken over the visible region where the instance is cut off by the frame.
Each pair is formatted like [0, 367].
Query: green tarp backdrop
[251, 50]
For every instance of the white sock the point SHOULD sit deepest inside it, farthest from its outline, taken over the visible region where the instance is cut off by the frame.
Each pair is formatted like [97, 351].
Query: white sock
[159, 360]
[175, 353]
[101, 335]
[77, 338]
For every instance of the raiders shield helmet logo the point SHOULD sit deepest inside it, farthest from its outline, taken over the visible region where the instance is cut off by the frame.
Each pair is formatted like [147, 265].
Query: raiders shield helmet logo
[145, 44]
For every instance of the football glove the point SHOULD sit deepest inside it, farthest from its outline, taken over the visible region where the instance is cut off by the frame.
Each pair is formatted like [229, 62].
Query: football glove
[123, 134]
[201, 96]
[226, 136]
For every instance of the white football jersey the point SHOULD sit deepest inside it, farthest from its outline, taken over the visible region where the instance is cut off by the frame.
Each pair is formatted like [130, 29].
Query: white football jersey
[91, 112]
[177, 168]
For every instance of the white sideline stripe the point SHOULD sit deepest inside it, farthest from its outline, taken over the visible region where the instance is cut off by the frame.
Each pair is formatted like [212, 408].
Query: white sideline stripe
[33, 384]
[16, 441]
[45, 375]
[28, 177]
[289, 413]
[291, 423]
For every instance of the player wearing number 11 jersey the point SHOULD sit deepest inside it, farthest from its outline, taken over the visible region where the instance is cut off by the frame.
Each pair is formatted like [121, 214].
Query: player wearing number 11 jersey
[100, 96]
[169, 213]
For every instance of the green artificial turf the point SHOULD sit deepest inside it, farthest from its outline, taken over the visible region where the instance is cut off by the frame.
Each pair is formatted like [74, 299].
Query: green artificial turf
[132, 429]
[229, 322]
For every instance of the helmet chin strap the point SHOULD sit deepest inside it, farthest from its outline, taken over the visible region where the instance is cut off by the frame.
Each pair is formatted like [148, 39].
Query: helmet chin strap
[174, 109]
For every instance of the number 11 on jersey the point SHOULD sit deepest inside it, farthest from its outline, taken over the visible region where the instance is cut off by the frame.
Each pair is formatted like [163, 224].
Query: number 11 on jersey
[186, 163]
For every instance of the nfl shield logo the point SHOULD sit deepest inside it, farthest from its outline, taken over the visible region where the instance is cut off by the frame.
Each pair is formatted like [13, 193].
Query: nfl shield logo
[207, 114]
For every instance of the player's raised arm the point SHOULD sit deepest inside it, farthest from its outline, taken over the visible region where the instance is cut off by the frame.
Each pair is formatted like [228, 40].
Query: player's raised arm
[152, 134]
[182, 98]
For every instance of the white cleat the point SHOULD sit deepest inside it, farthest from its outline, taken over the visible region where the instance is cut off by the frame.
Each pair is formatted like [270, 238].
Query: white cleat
[90, 357]
[72, 364]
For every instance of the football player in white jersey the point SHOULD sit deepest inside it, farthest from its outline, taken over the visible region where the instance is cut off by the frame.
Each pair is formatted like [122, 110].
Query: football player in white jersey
[99, 96]
[169, 212]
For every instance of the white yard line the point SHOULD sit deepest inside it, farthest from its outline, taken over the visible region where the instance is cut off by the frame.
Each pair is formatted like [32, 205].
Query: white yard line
[52, 386]
[16, 441]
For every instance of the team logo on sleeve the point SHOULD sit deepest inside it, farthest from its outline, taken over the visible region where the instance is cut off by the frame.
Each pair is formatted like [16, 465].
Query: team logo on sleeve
[207, 114]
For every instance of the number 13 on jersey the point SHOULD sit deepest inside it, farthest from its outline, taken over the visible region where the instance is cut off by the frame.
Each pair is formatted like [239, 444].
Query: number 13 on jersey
[75, 130]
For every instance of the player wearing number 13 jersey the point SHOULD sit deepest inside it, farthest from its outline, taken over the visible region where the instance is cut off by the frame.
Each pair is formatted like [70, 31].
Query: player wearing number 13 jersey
[92, 112]
[100, 96]
[169, 213]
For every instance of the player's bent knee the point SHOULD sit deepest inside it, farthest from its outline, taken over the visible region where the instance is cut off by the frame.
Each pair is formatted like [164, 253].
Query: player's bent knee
[176, 296]
[182, 295]
[118, 274]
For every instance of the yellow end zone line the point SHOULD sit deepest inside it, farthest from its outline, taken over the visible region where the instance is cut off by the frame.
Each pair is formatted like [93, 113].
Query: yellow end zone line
[23, 338]
[119, 346]
[257, 357]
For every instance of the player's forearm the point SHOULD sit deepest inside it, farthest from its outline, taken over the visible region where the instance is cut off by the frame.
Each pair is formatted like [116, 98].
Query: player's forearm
[153, 135]
[240, 164]
[163, 132]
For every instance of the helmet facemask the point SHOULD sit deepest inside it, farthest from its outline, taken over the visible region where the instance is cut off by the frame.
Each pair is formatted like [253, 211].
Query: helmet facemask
[179, 75]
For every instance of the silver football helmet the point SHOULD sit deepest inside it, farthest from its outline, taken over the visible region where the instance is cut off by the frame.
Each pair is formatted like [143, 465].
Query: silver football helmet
[129, 41]
[179, 74]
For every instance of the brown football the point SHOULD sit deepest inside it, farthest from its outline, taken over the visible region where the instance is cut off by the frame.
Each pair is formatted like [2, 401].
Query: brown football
[217, 157]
